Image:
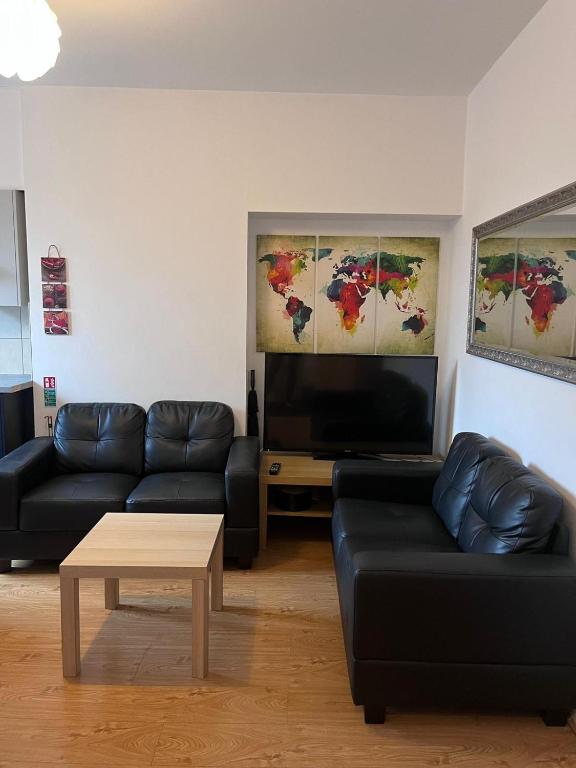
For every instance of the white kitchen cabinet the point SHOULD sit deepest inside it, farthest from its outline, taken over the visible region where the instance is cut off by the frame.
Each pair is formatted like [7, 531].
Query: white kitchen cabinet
[13, 255]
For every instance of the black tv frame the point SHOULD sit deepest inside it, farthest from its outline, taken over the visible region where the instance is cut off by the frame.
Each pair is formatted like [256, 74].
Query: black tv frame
[352, 453]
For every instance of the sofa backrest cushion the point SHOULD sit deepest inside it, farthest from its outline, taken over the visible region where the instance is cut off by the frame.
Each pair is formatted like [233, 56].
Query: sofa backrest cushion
[100, 437]
[454, 485]
[511, 510]
[188, 437]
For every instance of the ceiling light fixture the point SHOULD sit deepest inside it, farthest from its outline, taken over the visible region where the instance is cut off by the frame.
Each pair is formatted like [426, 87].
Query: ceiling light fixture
[29, 38]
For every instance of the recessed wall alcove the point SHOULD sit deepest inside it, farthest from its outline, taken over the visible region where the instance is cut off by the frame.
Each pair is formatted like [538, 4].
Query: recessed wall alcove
[413, 225]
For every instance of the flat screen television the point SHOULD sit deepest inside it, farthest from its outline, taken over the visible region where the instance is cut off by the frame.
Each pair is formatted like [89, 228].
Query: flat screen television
[349, 404]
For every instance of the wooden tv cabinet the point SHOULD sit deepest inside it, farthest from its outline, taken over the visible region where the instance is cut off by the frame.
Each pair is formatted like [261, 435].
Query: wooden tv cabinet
[295, 470]
[302, 469]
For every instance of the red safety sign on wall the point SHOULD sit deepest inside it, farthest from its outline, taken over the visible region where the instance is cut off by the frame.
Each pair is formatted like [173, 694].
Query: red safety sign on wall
[49, 391]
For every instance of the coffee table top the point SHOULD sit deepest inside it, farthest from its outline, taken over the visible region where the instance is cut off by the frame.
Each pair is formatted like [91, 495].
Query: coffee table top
[124, 544]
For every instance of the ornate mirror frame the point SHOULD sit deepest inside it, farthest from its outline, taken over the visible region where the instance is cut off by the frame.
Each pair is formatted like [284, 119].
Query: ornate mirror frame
[547, 366]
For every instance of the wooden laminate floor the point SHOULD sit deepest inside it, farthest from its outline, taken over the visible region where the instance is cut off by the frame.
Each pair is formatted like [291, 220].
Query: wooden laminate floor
[277, 693]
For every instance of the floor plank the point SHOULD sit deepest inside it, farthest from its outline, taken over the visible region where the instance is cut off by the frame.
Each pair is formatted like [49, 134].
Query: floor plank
[277, 693]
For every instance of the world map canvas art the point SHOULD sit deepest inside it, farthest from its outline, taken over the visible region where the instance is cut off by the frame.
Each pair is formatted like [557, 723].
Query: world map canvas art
[346, 294]
[407, 287]
[526, 294]
[285, 293]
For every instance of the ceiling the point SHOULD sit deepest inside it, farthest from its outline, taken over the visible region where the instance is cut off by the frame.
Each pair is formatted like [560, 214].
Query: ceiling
[406, 47]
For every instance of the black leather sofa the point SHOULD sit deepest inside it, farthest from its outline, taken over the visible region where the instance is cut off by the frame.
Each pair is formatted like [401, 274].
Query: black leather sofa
[112, 457]
[456, 588]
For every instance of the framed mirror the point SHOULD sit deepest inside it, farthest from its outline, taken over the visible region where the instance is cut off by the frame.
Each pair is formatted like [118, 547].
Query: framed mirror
[522, 305]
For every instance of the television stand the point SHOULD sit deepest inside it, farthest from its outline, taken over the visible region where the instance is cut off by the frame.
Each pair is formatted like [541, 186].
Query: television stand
[296, 469]
[306, 470]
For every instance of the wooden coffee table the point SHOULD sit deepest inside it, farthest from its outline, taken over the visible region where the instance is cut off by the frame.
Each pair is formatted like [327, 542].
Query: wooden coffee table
[145, 546]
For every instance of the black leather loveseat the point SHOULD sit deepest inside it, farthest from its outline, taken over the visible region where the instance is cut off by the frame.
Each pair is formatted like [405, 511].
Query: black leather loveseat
[455, 584]
[111, 457]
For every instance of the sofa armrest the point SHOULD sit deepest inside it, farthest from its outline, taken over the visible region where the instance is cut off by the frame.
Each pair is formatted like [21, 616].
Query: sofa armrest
[20, 470]
[462, 608]
[242, 483]
[409, 482]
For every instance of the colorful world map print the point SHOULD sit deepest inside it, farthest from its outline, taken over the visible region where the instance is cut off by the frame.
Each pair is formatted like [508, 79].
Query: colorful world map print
[346, 294]
[536, 280]
[285, 293]
[407, 286]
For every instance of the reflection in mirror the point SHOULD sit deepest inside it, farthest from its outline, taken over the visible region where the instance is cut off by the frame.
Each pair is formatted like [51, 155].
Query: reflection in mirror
[523, 293]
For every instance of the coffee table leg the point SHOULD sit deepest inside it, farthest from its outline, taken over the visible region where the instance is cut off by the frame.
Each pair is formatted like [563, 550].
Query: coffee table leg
[111, 593]
[199, 627]
[70, 618]
[217, 574]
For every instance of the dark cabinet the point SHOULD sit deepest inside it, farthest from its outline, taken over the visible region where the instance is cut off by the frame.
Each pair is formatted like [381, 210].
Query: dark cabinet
[16, 418]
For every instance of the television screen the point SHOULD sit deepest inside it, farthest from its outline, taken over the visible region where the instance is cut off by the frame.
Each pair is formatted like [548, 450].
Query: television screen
[338, 404]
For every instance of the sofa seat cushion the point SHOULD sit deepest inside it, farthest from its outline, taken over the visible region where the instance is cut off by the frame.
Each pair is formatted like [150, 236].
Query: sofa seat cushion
[186, 492]
[74, 502]
[377, 525]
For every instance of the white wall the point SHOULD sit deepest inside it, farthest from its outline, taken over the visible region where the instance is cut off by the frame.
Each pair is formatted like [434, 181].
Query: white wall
[11, 176]
[147, 193]
[520, 145]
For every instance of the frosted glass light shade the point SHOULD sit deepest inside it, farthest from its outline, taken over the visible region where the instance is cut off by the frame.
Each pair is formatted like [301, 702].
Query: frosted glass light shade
[29, 38]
